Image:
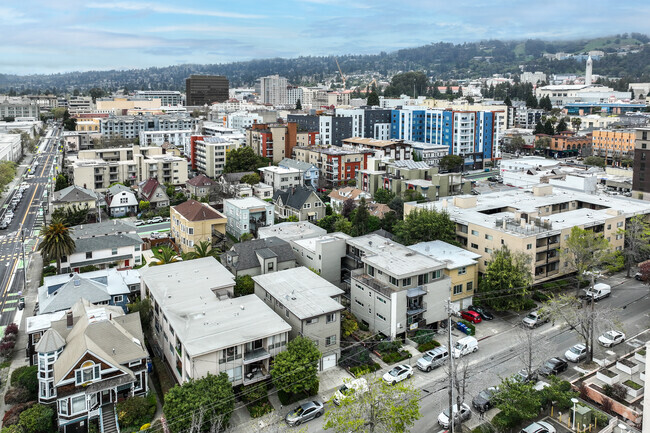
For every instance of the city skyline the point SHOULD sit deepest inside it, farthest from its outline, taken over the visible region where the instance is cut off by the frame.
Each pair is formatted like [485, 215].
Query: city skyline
[46, 37]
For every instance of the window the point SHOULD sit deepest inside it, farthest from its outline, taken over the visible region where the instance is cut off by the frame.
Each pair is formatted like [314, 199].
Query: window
[394, 281]
[234, 374]
[231, 353]
[381, 317]
[87, 373]
[78, 404]
[89, 255]
[359, 302]
[470, 286]
[190, 230]
[462, 271]
[118, 299]
[371, 271]
[330, 340]
[270, 266]
[488, 250]
[406, 282]
[458, 289]
[475, 246]
[475, 232]
[312, 320]
[330, 318]
[488, 237]
[135, 363]
[63, 407]
[619, 224]
[529, 246]
[423, 279]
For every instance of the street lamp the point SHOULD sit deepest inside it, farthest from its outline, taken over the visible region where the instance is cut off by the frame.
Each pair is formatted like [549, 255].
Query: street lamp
[574, 401]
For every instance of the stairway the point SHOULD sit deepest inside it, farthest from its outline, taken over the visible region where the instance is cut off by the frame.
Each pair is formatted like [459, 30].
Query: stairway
[108, 419]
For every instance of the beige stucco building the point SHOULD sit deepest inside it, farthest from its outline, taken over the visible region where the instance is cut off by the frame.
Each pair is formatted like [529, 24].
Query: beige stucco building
[193, 222]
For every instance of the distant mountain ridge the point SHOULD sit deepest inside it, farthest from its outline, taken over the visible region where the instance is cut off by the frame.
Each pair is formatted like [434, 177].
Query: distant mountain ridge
[628, 56]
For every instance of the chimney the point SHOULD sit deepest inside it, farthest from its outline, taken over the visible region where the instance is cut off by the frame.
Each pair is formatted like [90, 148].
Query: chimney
[505, 224]
[68, 319]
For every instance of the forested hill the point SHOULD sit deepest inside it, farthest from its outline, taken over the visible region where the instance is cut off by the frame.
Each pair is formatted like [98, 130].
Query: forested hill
[628, 56]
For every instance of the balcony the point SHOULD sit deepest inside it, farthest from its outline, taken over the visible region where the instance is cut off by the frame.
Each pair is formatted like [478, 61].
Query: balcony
[256, 355]
[415, 292]
[255, 374]
[365, 279]
[416, 308]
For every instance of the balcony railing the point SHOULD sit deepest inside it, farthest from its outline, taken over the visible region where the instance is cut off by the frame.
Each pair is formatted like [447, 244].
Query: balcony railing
[256, 355]
[413, 309]
[255, 375]
[383, 288]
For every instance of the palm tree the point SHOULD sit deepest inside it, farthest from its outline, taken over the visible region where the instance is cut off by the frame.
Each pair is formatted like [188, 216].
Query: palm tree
[164, 255]
[203, 249]
[57, 242]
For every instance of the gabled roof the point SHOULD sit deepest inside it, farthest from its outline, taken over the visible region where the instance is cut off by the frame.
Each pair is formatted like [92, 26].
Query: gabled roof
[73, 194]
[84, 245]
[235, 177]
[346, 193]
[201, 180]
[149, 187]
[118, 188]
[51, 341]
[293, 197]
[246, 253]
[115, 199]
[193, 210]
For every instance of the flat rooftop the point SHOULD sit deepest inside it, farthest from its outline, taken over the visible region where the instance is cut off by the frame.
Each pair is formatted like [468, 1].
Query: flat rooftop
[247, 202]
[302, 291]
[310, 243]
[291, 231]
[453, 256]
[371, 142]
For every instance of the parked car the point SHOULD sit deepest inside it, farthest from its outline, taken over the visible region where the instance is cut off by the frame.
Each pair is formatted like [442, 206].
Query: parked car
[638, 276]
[305, 412]
[483, 401]
[156, 220]
[139, 222]
[576, 353]
[611, 338]
[597, 292]
[553, 366]
[3, 225]
[471, 316]
[485, 314]
[465, 346]
[525, 376]
[357, 385]
[492, 179]
[21, 303]
[398, 374]
[535, 319]
[459, 416]
[433, 358]
[539, 427]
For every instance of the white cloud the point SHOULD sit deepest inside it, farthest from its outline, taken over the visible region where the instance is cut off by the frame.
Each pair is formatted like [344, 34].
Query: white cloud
[163, 9]
[10, 16]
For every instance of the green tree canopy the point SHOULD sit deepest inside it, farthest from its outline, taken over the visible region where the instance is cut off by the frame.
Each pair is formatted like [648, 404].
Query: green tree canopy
[143, 308]
[517, 401]
[244, 285]
[373, 99]
[61, 182]
[383, 196]
[561, 126]
[296, 369]
[506, 280]
[585, 251]
[425, 225]
[548, 128]
[203, 249]
[406, 83]
[163, 255]
[37, 419]
[298, 105]
[451, 162]
[360, 218]
[212, 394]
[251, 179]
[244, 159]
[594, 161]
[72, 215]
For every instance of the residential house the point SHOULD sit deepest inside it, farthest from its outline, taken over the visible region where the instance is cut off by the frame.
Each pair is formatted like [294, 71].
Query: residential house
[263, 191]
[74, 196]
[461, 268]
[201, 329]
[341, 195]
[310, 173]
[121, 201]
[310, 304]
[230, 182]
[259, 256]
[88, 361]
[155, 193]
[200, 186]
[378, 209]
[193, 222]
[281, 178]
[106, 244]
[394, 289]
[323, 254]
[289, 231]
[301, 202]
[246, 215]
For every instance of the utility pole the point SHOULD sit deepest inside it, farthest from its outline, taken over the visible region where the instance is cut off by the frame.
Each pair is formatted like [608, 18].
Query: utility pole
[451, 369]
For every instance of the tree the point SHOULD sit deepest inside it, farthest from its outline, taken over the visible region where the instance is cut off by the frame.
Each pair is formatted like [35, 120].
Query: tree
[211, 397]
[585, 251]
[382, 408]
[59, 112]
[505, 282]
[644, 270]
[244, 159]
[530, 352]
[548, 128]
[507, 101]
[413, 195]
[397, 205]
[451, 162]
[373, 99]
[61, 182]
[244, 285]
[576, 122]
[531, 101]
[539, 128]
[516, 144]
[298, 105]
[343, 225]
[360, 218]
[383, 196]
[245, 237]
[348, 206]
[545, 103]
[37, 419]
[251, 179]
[144, 205]
[72, 215]
[594, 161]
[203, 249]
[164, 255]
[296, 369]
[56, 242]
[96, 92]
[425, 225]
[561, 126]
[349, 324]
[26, 377]
[143, 307]
[517, 401]
[637, 240]
[69, 123]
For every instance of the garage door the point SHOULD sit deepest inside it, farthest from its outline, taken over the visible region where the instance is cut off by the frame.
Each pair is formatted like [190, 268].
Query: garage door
[329, 361]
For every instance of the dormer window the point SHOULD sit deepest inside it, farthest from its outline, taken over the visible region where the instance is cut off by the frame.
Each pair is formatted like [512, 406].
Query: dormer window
[88, 372]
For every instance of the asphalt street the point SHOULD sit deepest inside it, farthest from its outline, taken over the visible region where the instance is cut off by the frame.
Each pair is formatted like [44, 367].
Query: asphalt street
[28, 217]
[500, 351]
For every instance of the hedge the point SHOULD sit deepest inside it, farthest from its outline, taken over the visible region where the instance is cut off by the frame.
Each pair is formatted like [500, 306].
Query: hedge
[470, 325]
[428, 346]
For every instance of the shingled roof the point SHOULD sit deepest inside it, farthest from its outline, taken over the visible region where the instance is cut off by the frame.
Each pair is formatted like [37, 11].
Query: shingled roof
[201, 180]
[247, 252]
[293, 197]
[193, 210]
[73, 194]
[148, 188]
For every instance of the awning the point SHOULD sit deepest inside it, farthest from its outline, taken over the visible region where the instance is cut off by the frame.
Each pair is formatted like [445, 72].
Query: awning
[311, 213]
[110, 259]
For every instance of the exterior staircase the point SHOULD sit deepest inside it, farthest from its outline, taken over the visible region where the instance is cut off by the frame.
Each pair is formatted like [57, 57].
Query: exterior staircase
[109, 423]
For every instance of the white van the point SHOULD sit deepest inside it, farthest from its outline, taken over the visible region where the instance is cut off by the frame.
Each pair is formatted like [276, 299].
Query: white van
[598, 292]
[464, 346]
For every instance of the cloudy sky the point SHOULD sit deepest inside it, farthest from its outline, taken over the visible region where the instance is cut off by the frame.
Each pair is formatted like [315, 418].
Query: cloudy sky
[45, 36]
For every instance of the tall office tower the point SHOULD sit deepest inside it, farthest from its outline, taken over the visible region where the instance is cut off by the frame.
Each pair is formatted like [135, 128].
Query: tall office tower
[206, 89]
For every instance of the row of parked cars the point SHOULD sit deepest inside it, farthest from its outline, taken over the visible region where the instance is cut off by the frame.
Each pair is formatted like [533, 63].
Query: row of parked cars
[12, 205]
[154, 220]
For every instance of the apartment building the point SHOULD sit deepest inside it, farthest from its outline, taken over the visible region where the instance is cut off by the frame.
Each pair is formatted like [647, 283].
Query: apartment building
[200, 328]
[276, 141]
[394, 149]
[535, 221]
[11, 108]
[291, 230]
[74, 196]
[120, 106]
[281, 178]
[247, 215]
[98, 169]
[310, 304]
[272, 90]
[259, 256]
[613, 145]
[641, 176]
[367, 122]
[331, 129]
[322, 254]
[209, 155]
[177, 138]
[11, 148]
[309, 172]
[132, 126]
[203, 90]
[193, 222]
[461, 266]
[395, 289]
[336, 165]
[166, 97]
[431, 154]
[567, 143]
[80, 105]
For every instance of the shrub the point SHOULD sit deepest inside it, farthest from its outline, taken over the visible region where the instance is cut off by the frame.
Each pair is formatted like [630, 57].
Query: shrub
[37, 419]
[423, 336]
[360, 370]
[503, 422]
[12, 416]
[386, 347]
[17, 394]
[260, 409]
[49, 270]
[394, 357]
[540, 296]
[428, 346]
[470, 325]
[363, 326]
[27, 377]
[136, 411]
[11, 329]
[253, 393]
[6, 348]
[600, 419]
[529, 304]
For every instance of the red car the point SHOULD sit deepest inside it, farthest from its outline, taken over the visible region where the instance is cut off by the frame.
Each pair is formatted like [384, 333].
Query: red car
[471, 316]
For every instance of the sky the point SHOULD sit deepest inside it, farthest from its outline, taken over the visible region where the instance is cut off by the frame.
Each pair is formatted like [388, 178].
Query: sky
[45, 36]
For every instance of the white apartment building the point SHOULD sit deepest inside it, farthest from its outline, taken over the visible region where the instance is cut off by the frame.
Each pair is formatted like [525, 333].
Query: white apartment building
[167, 97]
[177, 138]
[202, 329]
[322, 253]
[211, 155]
[396, 290]
[131, 126]
[272, 90]
[80, 105]
[281, 178]
[246, 215]
[242, 119]
[18, 107]
[533, 77]
[431, 154]
[10, 147]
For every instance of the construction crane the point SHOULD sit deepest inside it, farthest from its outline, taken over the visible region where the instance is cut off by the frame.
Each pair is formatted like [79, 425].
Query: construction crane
[340, 72]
